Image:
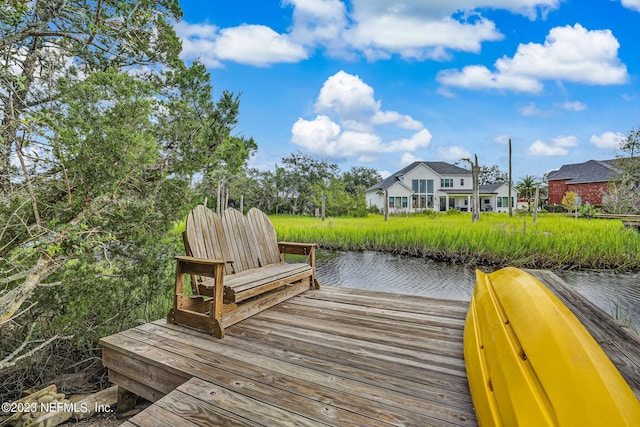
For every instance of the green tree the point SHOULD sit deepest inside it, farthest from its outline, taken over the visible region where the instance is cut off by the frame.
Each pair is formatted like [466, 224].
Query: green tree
[303, 177]
[527, 187]
[107, 128]
[570, 201]
[491, 175]
[623, 194]
[359, 178]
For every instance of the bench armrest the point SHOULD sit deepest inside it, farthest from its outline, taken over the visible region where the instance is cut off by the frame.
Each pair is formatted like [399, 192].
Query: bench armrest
[296, 248]
[199, 266]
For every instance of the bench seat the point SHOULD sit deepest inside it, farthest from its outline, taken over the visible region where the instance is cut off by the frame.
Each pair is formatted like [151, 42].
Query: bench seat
[237, 269]
[249, 283]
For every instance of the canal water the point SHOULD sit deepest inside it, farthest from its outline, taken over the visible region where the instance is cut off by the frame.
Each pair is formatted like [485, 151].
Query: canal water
[616, 294]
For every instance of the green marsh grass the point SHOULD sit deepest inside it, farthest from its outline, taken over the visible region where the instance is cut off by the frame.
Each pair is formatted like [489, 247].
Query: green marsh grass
[554, 241]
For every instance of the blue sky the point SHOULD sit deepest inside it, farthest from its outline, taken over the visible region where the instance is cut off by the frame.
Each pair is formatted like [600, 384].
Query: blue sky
[381, 83]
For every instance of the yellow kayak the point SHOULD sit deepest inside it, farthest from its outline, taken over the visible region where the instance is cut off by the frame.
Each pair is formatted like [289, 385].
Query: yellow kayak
[530, 362]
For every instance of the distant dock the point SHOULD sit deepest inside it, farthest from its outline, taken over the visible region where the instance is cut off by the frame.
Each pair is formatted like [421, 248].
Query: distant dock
[333, 356]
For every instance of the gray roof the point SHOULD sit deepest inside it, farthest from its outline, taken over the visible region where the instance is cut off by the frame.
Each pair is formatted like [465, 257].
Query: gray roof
[482, 189]
[490, 188]
[589, 171]
[441, 168]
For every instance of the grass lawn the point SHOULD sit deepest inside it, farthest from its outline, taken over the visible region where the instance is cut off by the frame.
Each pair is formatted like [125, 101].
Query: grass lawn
[554, 241]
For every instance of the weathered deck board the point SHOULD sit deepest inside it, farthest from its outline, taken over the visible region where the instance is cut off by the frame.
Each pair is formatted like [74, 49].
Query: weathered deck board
[334, 356]
[326, 357]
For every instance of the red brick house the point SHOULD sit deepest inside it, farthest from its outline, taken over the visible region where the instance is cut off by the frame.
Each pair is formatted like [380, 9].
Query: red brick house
[589, 180]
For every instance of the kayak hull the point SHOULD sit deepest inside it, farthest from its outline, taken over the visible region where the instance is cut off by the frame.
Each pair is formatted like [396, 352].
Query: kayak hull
[530, 362]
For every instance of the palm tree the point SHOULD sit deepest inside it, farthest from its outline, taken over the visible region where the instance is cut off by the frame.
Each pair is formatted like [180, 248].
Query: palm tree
[527, 187]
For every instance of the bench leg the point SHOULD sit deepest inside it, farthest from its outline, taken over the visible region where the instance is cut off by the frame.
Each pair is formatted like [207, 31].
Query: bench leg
[217, 304]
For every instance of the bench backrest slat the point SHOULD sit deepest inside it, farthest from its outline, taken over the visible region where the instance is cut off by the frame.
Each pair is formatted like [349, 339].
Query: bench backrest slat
[249, 242]
[240, 240]
[265, 235]
[205, 236]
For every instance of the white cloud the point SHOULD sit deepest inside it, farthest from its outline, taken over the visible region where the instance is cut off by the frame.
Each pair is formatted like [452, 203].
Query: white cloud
[574, 106]
[502, 139]
[318, 21]
[453, 153]
[480, 77]
[571, 54]
[529, 110]
[408, 158]
[406, 122]
[608, 140]
[384, 174]
[257, 45]
[247, 44]
[417, 37]
[412, 29]
[348, 122]
[558, 146]
[632, 4]
[347, 96]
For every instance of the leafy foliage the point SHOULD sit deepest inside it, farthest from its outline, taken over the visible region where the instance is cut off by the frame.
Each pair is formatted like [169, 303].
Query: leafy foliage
[623, 195]
[570, 201]
[491, 175]
[102, 128]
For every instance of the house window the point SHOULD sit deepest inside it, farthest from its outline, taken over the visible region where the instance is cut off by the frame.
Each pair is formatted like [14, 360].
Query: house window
[423, 189]
[503, 202]
[462, 182]
[418, 185]
[446, 182]
[398, 202]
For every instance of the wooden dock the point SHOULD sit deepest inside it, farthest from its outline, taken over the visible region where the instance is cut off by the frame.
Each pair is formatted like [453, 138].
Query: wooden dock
[333, 356]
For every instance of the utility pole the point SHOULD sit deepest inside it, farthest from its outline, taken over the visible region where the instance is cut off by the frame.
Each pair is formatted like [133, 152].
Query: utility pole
[386, 205]
[475, 205]
[510, 180]
[476, 190]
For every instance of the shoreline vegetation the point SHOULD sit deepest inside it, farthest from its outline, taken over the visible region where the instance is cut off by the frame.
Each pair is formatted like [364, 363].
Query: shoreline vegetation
[554, 242]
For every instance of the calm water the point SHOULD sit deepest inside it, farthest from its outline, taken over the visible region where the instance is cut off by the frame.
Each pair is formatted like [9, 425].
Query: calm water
[416, 276]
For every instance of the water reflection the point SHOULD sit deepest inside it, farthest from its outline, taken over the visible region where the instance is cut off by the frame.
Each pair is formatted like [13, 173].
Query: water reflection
[415, 276]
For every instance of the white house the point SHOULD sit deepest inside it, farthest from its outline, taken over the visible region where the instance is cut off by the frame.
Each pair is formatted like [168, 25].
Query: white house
[438, 186]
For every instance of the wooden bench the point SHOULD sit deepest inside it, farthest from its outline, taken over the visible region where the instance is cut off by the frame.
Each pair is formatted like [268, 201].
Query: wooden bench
[237, 269]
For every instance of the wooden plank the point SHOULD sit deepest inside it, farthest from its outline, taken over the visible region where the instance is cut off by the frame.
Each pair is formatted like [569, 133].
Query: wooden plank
[158, 416]
[265, 236]
[291, 378]
[200, 410]
[213, 229]
[138, 388]
[244, 346]
[385, 300]
[263, 302]
[253, 411]
[200, 365]
[405, 363]
[256, 277]
[410, 339]
[151, 381]
[235, 229]
[262, 286]
[384, 314]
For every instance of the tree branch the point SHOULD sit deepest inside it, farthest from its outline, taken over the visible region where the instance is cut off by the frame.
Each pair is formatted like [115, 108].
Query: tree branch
[15, 357]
